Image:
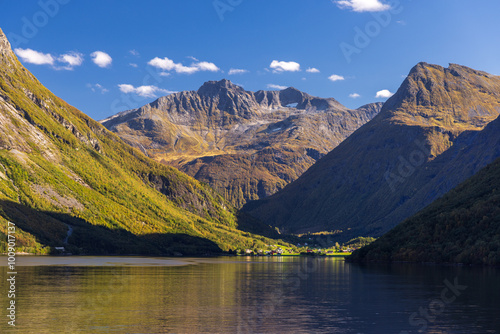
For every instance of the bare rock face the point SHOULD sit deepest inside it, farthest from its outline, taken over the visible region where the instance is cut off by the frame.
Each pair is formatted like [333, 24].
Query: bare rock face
[224, 95]
[7, 58]
[4, 43]
[247, 145]
[436, 131]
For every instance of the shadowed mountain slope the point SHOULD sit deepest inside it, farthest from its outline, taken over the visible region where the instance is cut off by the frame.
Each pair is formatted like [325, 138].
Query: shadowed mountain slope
[461, 227]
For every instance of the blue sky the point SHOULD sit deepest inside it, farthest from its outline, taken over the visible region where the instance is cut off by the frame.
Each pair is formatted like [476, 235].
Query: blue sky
[107, 56]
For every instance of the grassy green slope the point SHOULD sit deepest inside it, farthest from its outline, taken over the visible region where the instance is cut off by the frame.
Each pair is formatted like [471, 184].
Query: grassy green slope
[461, 227]
[59, 167]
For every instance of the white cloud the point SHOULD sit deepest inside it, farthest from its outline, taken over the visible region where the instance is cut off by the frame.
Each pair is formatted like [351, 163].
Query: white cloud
[126, 88]
[192, 58]
[335, 77]
[237, 71]
[134, 52]
[312, 70]
[273, 86]
[101, 59]
[167, 64]
[97, 88]
[363, 5]
[354, 95]
[72, 59]
[164, 64]
[144, 91]
[149, 91]
[186, 69]
[69, 60]
[133, 65]
[383, 94]
[282, 66]
[206, 66]
[35, 57]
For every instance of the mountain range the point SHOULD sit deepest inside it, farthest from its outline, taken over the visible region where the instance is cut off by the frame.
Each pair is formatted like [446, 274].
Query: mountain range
[437, 130]
[246, 145]
[66, 181]
[429, 157]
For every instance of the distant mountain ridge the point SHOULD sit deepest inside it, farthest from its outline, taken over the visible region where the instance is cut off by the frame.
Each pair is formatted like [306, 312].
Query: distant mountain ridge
[430, 136]
[247, 145]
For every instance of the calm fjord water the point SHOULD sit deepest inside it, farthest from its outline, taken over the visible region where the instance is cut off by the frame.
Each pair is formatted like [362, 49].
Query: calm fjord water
[249, 295]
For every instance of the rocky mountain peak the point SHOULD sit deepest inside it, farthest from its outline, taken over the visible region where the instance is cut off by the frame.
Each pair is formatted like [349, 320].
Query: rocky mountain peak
[423, 70]
[290, 90]
[426, 72]
[213, 88]
[435, 95]
[8, 60]
[5, 48]
[291, 95]
[4, 43]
